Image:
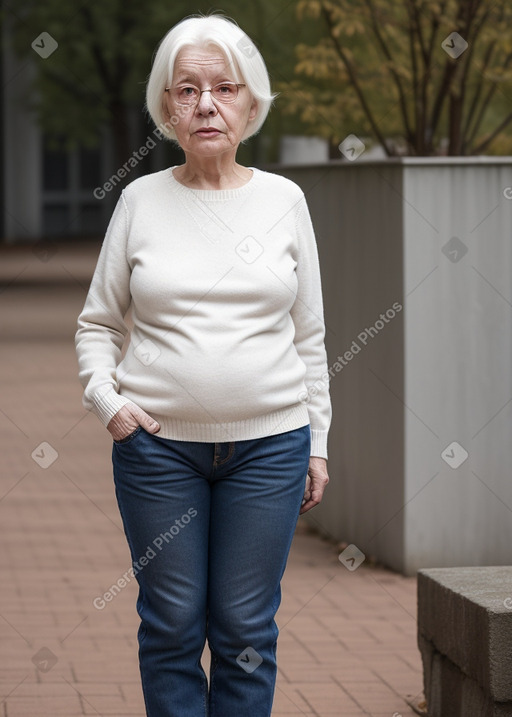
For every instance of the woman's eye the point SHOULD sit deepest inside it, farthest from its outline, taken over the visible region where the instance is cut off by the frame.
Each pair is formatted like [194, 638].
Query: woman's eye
[187, 94]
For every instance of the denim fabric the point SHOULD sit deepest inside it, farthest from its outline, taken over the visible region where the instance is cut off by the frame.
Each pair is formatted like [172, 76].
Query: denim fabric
[209, 527]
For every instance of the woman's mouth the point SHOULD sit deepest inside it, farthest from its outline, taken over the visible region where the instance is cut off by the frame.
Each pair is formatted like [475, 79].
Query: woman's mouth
[208, 132]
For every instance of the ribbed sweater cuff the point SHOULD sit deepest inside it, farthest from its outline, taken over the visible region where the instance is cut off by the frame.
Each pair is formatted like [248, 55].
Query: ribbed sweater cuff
[107, 403]
[319, 443]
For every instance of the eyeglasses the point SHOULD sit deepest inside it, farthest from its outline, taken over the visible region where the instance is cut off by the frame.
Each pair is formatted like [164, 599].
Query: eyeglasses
[188, 95]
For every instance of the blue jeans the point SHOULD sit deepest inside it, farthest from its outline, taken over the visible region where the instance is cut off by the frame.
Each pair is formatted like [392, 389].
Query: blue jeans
[209, 527]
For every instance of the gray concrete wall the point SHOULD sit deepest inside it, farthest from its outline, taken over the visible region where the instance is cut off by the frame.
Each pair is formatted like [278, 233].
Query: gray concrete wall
[438, 372]
[359, 229]
[458, 354]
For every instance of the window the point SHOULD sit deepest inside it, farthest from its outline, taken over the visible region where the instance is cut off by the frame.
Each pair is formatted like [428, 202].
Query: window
[69, 178]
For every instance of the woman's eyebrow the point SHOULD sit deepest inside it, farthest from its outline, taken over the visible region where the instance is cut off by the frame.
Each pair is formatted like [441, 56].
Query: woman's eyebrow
[221, 77]
[186, 78]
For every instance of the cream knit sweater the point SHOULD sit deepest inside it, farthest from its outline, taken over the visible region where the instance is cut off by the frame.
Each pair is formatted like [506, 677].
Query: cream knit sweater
[226, 333]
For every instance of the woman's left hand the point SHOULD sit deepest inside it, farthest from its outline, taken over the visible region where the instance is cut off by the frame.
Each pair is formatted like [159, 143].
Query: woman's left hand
[316, 482]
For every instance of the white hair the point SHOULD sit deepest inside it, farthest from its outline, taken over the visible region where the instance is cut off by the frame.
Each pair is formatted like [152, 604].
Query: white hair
[239, 50]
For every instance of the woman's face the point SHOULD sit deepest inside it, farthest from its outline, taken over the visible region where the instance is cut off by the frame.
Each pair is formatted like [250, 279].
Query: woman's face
[211, 127]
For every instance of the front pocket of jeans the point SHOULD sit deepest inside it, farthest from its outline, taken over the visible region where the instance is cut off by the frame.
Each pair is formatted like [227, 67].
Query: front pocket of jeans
[129, 437]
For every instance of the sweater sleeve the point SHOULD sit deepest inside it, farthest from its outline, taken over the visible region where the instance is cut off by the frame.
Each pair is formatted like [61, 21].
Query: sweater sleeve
[307, 315]
[101, 325]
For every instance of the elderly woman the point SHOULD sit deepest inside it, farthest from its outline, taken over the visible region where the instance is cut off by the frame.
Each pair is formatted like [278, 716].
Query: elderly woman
[215, 394]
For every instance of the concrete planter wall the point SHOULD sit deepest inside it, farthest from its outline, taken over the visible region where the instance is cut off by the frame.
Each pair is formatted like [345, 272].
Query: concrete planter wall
[416, 257]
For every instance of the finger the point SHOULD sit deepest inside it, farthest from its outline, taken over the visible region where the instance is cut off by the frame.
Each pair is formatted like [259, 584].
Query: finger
[149, 424]
[124, 419]
[307, 506]
[120, 428]
[144, 419]
[314, 498]
[306, 496]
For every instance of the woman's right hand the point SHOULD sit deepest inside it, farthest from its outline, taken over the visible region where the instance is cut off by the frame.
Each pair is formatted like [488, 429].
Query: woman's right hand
[127, 419]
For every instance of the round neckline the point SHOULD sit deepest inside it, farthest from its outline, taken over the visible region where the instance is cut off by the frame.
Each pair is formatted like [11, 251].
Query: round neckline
[214, 194]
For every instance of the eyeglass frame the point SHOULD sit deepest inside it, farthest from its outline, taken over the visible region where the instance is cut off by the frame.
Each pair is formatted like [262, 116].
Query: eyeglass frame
[209, 89]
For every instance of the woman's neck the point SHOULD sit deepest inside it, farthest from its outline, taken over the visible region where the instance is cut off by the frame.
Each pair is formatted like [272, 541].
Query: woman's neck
[212, 174]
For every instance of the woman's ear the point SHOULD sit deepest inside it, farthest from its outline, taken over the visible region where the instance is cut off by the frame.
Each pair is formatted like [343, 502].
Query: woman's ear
[254, 110]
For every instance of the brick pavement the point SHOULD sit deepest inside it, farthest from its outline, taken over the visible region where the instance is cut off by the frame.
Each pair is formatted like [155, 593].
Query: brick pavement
[347, 641]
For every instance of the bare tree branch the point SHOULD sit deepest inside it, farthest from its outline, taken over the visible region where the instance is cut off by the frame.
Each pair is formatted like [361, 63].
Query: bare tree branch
[444, 88]
[470, 112]
[354, 80]
[387, 54]
[468, 137]
[486, 102]
[487, 141]
[414, 11]
[471, 31]
[427, 75]
[417, 99]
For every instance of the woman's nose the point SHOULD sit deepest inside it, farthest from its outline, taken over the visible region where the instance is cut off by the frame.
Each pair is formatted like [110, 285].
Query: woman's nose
[206, 106]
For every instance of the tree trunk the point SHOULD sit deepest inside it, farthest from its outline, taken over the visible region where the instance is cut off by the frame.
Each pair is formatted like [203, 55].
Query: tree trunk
[455, 127]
